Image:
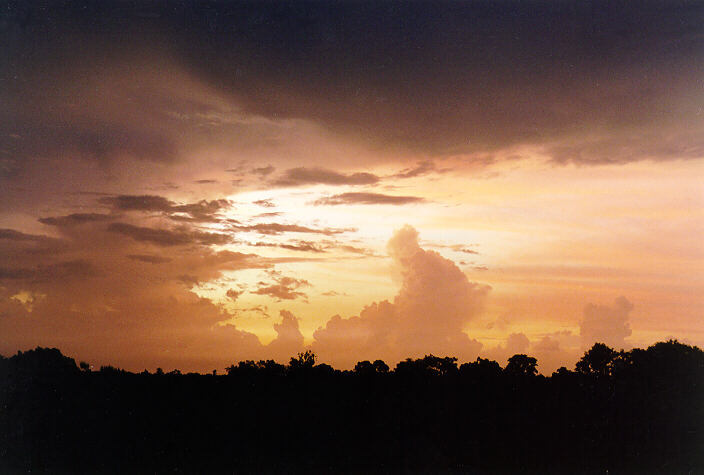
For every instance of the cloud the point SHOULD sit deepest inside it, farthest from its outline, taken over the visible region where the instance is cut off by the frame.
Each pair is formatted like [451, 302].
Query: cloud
[422, 168]
[606, 324]
[165, 237]
[149, 258]
[304, 246]
[279, 228]
[627, 147]
[428, 314]
[78, 269]
[312, 176]
[289, 340]
[108, 300]
[355, 250]
[283, 288]
[517, 343]
[263, 171]
[455, 247]
[265, 203]
[138, 203]
[566, 81]
[234, 294]
[551, 351]
[13, 235]
[201, 211]
[367, 199]
[75, 219]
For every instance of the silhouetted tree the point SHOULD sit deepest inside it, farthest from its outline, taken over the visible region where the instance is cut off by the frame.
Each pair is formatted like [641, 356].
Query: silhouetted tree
[522, 365]
[561, 372]
[428, 415]
[305, 360]
[44, 362]
[481, 368]
[380, 366]
[429, 364]
[364, 367]
[367, 367]
[598, 361]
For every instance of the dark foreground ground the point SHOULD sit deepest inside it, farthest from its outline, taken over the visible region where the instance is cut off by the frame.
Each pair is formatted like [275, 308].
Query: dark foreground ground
[630, 412]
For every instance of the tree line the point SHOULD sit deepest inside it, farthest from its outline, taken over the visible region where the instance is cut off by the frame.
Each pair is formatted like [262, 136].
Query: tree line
[637, 410]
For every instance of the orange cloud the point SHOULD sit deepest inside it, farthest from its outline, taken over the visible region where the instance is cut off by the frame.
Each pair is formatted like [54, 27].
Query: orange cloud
[606, 324]
[434, 303]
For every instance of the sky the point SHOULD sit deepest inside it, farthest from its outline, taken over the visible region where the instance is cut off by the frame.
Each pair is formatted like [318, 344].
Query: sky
[188, 184]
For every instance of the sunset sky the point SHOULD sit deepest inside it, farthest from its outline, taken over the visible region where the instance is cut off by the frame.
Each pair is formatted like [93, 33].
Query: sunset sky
[187, 184]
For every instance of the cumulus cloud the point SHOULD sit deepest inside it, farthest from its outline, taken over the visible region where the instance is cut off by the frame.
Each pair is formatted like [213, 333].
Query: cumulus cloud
[428, 314]
[516, 343]
[551, 351]
[289, 339]
[606, 324]
[367, 199]
[312, 176]
[110, 299]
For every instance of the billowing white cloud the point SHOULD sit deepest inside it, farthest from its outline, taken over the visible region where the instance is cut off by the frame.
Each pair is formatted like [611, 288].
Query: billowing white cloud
[428, 315]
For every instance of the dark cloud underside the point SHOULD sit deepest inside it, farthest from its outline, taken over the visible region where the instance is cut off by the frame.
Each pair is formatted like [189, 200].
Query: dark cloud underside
[438, 77]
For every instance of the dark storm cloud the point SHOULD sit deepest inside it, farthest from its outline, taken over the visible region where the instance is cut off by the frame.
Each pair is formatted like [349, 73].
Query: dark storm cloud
[449, 77]
[367, 199]
[166, 237]
[438, 77]
[313, 176]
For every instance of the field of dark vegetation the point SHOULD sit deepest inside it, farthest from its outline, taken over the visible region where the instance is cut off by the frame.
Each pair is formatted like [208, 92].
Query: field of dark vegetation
[638, 411]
